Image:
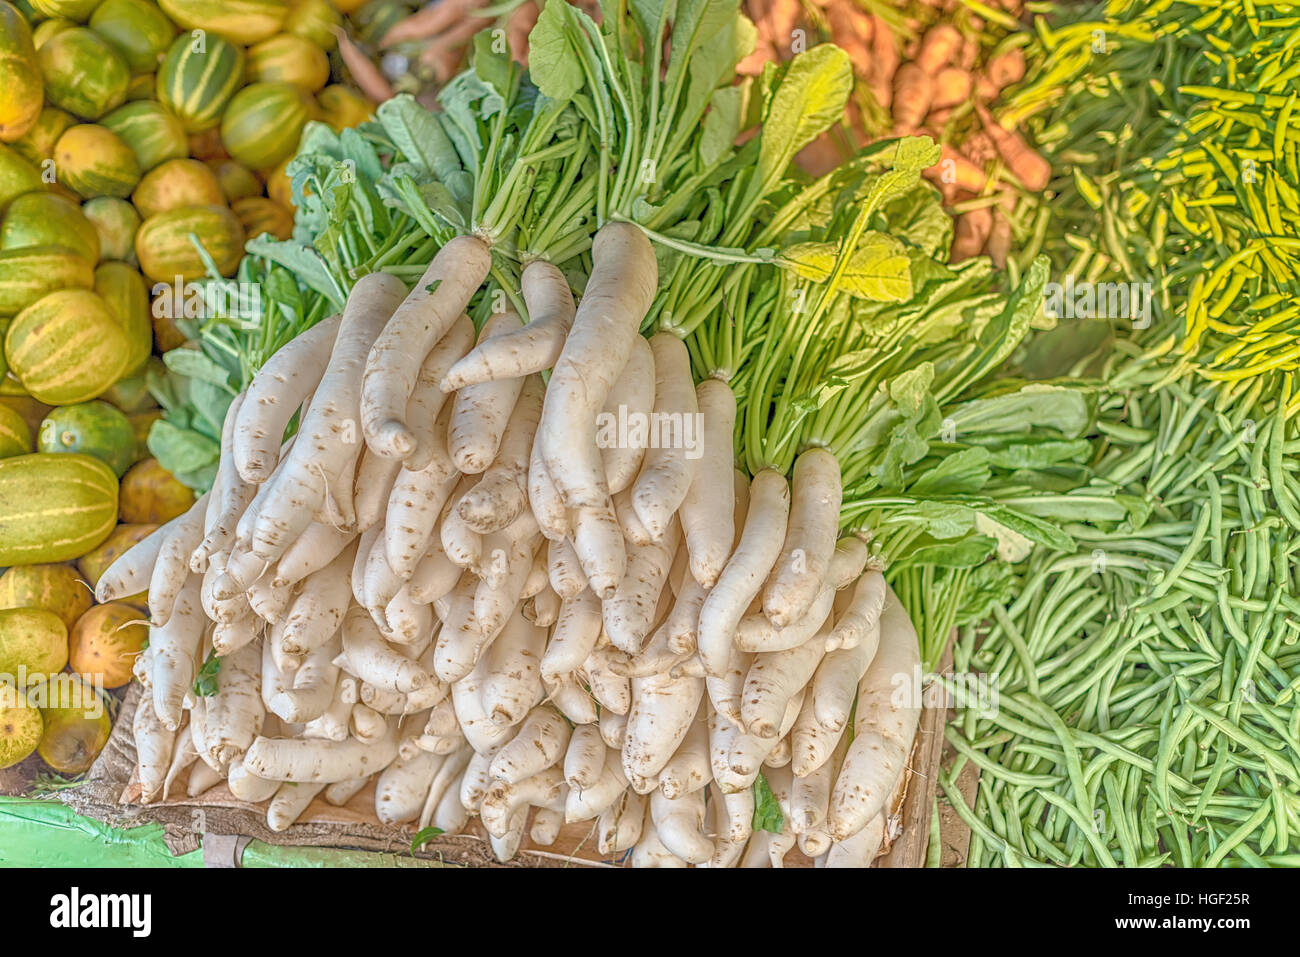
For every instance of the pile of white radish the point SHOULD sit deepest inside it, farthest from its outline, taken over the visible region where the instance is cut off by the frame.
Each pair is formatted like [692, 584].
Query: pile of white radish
[447, 580]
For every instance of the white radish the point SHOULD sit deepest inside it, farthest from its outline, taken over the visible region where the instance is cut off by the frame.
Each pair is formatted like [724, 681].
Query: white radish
[623, 433]
[670, 461]
[688, 769]
[598, 543]
[584, 758]
[175, 647]
[743, 575]
[328, 437]
[372, 659]
[317, 612]
[235, 712]
[281, 385]
[544, 497]
[541, 742]
[153, 748]
[859, 849]
[313, 686]
[314, 549]
[663, 711]
[619, 291]
[835, 685]
[773, 680]
[705, 511]
[563, 569]
[679, 824]
[249, 787]
[202, 778]
[231, 495]
[504, 800]
[572, 699]
[802, 567]
[587, 803]
[860, 618]
[172, 568]
[531, 349]
[318, 761]
[757, 633]
[883, 727]
[480, 412]
[435, 575]
[619, 826]
[290, 801]
[402, 787]
[513, 684]
[422, 319]
[502, 492]
[629, 613]
[425, 407]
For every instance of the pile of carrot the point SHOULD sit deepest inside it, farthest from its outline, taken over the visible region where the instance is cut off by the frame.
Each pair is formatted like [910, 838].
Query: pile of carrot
[447, 579]
[937, 68]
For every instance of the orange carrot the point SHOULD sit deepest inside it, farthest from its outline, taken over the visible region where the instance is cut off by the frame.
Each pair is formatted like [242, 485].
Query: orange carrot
[998, 246]
[1029, 167]
[941, 42]
[913, 93]
[884, 61]
[427, 22]
[951, 86]
[367, 76]
[970, 233]
[1006, 68]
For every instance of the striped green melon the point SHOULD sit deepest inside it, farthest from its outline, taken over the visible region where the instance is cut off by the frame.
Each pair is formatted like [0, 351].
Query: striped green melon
[67, 347]
[83, 74]
[243, 21]
[314, 20]
[166, 252]
[94, 161]
[48, 29]
[289, 59]
[38, 143]
[54, 508]
[22, 91]
[17, 176]
[264, 122]
[116, 222]
[33, 272]
[123, 289]
[77, 10]
[236, 181]
[47, 219]
[137, 29]
[90, 428]
[197, 78]
[261, 215]
[342, 107]
[176, 183]
[153, 133]
[15, 435]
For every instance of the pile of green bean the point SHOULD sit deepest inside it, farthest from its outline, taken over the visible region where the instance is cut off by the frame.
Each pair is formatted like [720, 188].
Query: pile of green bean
[1146, 711]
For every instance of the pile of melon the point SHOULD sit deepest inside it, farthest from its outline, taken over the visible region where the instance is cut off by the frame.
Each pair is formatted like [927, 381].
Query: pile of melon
[129, 131]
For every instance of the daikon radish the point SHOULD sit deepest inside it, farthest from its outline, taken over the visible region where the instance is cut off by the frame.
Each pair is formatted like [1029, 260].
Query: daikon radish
[424, 410]
[860, 618]
[668, 468]
[572, 699]
[449, 773]
[743, 576]
[650, 851]
[328, 436]
[773, 680]
[541, 742]
[883, 728]
[175, 646]
[619, 291]
[202, 778]
[290, 800]
[628, 614]
[679, 824]
[805, 556]
[531, 349]
[153, 748]
[583, 804]
[249, 787]
[544, 498]
[435, 575]
[598, 543]
[757, 633]
[172, 568]
[502, 492]
[512, 685]
[277, 391]
[313, 686]
[315, 548]
[480, 413]
[623, 433]
[235, 712]
[619, 826]
[706, 510]
[316, 614]
[414, 505]
[835, 685]
[232, 495]
[416, 326]
[402, 787]
[371, 659]
[859, 849]
[504, 800]
[663, 711]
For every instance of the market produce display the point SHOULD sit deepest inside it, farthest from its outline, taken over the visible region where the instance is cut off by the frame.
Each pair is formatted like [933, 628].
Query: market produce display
[137, 141]
[451, 575]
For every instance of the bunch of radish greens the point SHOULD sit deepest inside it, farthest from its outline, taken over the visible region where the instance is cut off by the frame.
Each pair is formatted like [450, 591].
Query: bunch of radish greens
[422, 559]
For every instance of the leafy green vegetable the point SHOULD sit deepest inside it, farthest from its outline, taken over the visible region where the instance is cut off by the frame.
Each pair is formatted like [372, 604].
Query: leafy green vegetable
[207, 681]
[767, 811]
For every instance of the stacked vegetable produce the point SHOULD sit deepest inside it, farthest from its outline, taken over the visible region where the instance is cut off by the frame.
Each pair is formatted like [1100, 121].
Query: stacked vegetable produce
[1146, 683]
[422, 560]
[136, 144]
